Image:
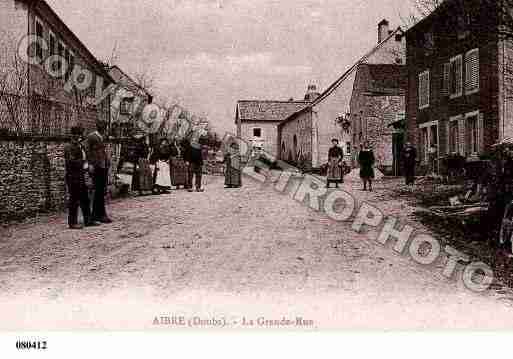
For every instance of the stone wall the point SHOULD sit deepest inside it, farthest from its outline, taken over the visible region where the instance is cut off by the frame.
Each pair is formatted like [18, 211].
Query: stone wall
[32, 177]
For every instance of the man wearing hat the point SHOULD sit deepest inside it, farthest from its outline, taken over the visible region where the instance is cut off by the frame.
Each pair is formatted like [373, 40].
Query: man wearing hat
[99, 163]
[76, 167]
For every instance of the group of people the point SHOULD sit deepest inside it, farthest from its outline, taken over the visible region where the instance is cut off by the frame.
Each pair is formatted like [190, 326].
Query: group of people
[87, 156]
[337, 167]
[180, 164]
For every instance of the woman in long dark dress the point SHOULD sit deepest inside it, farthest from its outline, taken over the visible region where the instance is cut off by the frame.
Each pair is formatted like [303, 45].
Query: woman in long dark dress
[232, 174]
[335, 165]
[177, 167]
[366, 161]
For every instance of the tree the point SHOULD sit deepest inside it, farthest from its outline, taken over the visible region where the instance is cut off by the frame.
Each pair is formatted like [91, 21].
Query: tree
[486, 16]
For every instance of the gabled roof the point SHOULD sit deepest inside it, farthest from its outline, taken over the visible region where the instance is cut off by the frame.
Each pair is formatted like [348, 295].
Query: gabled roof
[258, 110]
[385, 78]
[346, 74]
[126, 81]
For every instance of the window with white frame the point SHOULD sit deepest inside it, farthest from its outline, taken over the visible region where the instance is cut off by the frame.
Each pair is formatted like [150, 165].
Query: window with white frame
[456, 77]
[424, 89]
[257, 132]
[472, 71]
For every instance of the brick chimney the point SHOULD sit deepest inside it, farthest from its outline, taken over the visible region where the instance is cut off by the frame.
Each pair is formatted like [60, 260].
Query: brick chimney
[311, 93]
[383, 30]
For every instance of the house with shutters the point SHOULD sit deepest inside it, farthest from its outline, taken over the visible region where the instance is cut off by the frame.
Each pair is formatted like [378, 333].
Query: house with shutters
[457, 98]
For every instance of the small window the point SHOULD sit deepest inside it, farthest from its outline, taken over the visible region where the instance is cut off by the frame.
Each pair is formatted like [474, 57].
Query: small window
[257, 132]
[424, 90]
[348, 147]
[125, 107]
[456, 77]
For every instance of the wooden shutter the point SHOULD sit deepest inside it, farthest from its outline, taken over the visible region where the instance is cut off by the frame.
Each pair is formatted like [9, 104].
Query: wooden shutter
[480, 129]
[424, 89]
[445, 79]
[459, 75]
[472, 71]
[462, 138]
[448, 137]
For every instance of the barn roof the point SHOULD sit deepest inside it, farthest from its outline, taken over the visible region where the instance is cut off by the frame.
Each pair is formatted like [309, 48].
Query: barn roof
[258, 110]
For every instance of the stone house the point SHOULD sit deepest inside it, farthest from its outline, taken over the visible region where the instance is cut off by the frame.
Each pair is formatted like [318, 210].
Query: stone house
[52, 105]
[313, 127]
[379, 100]
[257, 122]
[458, 99]
[128, 101]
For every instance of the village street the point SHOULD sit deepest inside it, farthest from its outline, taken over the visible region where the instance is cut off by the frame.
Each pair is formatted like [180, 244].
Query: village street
[229, 254]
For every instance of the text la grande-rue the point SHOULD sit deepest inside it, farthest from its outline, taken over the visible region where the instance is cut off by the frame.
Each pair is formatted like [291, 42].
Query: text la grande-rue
[283, 322]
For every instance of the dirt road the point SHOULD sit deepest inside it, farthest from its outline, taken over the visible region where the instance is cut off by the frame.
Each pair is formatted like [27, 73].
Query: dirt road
[228, 257]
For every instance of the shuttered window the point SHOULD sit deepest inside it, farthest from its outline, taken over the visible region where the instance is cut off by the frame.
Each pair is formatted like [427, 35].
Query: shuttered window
[424, 89]
[472, 71]
[456, 76]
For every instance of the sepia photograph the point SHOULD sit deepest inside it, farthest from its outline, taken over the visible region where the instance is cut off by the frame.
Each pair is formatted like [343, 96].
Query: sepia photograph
[255, 166]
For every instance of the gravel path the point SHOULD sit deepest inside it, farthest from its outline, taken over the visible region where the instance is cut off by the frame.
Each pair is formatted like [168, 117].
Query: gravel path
[227, 256]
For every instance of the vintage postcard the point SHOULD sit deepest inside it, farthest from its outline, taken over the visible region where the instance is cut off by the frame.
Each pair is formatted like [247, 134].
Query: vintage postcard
[255, 165]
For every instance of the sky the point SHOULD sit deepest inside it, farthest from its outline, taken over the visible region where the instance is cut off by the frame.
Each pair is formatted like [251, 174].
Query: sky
[208, 54]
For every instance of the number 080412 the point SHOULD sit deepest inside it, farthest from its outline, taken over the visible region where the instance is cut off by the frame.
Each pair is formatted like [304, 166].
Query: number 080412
[37, 345]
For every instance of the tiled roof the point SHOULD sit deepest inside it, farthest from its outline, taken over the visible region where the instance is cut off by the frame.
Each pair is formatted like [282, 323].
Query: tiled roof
[268, 110]
[387, 77]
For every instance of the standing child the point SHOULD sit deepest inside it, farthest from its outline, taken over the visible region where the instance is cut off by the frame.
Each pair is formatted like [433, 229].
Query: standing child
[366, 161]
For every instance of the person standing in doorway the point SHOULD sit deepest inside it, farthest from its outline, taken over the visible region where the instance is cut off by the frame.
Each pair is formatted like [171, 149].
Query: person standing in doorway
[335, 164]
[76, 167]
[99, 163]
[409, 160]
[366, 161]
